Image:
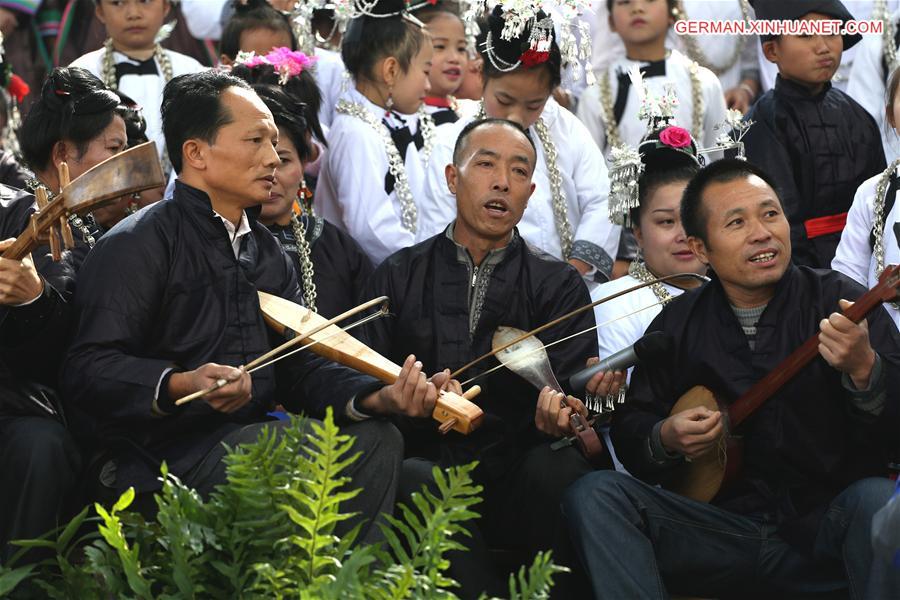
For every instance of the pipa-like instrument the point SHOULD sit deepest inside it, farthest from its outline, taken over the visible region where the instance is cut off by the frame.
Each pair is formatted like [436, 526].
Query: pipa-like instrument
[290, 319]
[128, 172]
[703, 477]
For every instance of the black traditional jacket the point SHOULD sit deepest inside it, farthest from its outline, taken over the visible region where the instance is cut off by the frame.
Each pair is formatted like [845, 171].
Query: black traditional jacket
[340, 267]
[808, 442]
[445, 311]
[33, 337]
[818, 149]
[163, 290]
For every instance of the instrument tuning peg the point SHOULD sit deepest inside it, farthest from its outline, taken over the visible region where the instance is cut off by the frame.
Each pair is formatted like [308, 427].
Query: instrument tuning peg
[55, 249]
[68, 239]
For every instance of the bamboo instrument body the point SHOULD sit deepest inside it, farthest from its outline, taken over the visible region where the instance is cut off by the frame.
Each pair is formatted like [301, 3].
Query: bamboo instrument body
[703, 477]
[128, 172]
[291, 319]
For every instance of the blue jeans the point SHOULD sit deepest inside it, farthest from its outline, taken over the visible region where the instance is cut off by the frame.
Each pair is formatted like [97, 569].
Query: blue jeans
[639, 541]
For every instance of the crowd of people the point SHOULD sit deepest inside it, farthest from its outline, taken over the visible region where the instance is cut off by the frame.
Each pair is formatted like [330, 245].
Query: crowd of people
[483, 166]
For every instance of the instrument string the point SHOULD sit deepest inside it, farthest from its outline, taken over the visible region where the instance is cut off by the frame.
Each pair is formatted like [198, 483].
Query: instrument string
[528, 353]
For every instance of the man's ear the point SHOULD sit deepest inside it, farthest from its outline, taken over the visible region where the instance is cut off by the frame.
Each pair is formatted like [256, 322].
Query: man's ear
[451, 174]
[698, 247]
[193, 153]
[771, 51]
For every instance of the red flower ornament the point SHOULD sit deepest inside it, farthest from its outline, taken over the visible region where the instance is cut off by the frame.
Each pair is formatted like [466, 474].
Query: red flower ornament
[675, 137]
[532, 58]
[17, 88]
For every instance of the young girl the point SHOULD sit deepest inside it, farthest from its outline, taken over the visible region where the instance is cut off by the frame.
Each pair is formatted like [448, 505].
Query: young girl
[448, 64]
[255, 26]
[330, 265]
[372, 177]
[610, 109]
[870, 238]
[567, 213]
[131, 60]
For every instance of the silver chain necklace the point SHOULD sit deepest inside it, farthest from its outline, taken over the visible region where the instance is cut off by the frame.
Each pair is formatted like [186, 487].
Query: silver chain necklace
[304, 259]
[695, 52]
[75, 221]
[638, 269]
[409, 213]
[880, 218]
[108, 66]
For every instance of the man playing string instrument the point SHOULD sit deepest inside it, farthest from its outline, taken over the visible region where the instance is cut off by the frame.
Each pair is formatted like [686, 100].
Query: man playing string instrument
[167, 305]
[797, 518]
[450, 294]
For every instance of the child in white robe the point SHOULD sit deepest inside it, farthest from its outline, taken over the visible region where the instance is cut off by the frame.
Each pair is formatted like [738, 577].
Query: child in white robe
[610, 109]
[132, 61]
[371, 181]
[874, 217]
[566, 216]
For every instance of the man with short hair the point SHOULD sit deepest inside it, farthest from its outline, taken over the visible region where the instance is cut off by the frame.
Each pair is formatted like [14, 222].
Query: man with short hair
[449, 295]
[167, 304]
[815, 454]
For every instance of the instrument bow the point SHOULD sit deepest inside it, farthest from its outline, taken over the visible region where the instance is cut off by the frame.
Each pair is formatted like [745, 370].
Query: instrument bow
[290, 319]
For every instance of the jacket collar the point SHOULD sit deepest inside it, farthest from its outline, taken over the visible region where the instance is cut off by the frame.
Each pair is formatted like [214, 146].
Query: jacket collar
[198, 201]
[792, 89]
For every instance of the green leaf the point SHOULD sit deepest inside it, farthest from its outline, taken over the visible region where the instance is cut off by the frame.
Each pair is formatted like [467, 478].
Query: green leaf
[11, 578]
[124, 500]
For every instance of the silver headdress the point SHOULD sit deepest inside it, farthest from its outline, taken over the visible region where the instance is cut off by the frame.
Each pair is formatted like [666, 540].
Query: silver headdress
[662, 134]
[570, 30]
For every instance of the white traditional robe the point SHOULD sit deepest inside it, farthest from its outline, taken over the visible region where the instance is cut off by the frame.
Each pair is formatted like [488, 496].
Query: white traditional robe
[631, 128]
[333, 81]
[351, 189]
[854, 257]
[585, 185]
[617, 330]
[608, 47]
[146, 90]
[867, 86]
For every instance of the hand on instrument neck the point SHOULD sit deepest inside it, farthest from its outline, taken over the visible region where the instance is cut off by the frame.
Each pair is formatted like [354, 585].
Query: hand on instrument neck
[845, 346]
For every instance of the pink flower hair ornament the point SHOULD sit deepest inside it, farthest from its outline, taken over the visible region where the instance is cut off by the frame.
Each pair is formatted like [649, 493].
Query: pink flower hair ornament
[288, 63]
[675, 137]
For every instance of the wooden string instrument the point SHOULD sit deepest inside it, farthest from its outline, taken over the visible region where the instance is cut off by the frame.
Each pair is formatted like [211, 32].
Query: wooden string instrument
[290, 319]
[128, 172]
[702, 477]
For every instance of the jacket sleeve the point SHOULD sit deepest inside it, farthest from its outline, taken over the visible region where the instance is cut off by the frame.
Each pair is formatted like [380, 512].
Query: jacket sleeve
[853, 253]
[651, 395]
[106, 372]
[596, 237]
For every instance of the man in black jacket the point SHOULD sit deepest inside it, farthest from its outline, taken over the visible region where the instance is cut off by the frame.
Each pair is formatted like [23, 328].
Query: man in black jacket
[449, 295]
[167, 304]
[815, 454]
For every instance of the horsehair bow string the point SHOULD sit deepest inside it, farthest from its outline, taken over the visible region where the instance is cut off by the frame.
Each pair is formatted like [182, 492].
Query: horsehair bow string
[572, 314]
[272, 357]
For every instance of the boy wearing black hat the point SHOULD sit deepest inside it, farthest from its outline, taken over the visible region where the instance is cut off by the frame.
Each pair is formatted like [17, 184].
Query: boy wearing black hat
[816, 142]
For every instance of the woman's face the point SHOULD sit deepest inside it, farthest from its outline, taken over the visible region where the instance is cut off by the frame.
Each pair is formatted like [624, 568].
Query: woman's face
[288, 176]
[661, 235]
[519, 96]
[109, 142]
